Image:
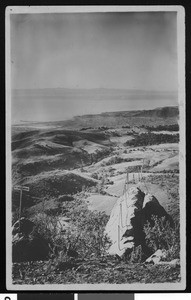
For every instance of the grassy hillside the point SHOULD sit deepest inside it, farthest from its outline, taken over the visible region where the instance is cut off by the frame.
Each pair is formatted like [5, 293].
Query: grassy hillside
[75, 171]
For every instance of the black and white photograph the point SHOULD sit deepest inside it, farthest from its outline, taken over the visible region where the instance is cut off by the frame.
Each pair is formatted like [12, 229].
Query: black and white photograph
[95, 148]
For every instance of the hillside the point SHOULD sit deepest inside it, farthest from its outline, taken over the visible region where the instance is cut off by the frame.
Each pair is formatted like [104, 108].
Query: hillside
[39, 154]
[158, 116]
[164, 112]
[76, 170]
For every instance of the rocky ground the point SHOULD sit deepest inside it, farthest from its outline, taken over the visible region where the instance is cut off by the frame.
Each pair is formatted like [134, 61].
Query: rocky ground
[96, 271]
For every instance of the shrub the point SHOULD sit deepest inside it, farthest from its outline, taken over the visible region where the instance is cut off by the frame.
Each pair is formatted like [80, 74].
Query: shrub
[95, 175]
[91, 227]
[86, 235]
[99, 155]
[48, 227]
[116, 160]
[162, 236]
[134, 255]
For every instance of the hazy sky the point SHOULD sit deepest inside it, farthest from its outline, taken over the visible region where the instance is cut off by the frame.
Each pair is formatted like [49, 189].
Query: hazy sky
[93, 50]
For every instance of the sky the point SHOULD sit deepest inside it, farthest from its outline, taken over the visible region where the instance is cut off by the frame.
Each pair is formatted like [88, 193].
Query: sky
[114, 50]
[92, 50]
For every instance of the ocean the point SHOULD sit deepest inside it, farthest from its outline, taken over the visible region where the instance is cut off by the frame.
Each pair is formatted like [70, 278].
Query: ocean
[61, 104]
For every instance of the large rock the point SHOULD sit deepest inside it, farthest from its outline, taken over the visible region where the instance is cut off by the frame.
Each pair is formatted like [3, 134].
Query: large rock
[152, 207]
[25, 246]
[156, 257]
[23, 226]
[29, 248]
[123, 224]
[128, 217]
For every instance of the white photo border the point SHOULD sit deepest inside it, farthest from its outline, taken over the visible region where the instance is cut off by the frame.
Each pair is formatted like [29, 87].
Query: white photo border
[182, 153]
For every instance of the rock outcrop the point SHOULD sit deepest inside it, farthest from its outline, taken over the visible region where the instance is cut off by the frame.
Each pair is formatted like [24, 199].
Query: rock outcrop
[128, 217]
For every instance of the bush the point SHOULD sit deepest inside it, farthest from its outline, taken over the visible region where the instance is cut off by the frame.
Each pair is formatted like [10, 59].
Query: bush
[116, 160]
[100, 154]
[48, 227]
[136, 255]
[133, 256]
[91, 227]
[162, 236]
[85, 236]
[95, 176]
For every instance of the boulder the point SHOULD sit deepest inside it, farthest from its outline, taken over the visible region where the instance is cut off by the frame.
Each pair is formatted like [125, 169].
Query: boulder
[128, 217]
[29, 248]
[26, 226]
[26, 246]
[156, 257]
[152, 207]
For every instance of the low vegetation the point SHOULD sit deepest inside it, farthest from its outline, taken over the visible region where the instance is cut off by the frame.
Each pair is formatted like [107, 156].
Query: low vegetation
[79, 253]
[170, 127]
[76, 251]
[116, 160]
[146, 139]
[162, 236]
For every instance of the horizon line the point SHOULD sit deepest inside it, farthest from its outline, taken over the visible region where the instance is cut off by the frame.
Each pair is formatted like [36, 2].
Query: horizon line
[77, 116]
[93, 88]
